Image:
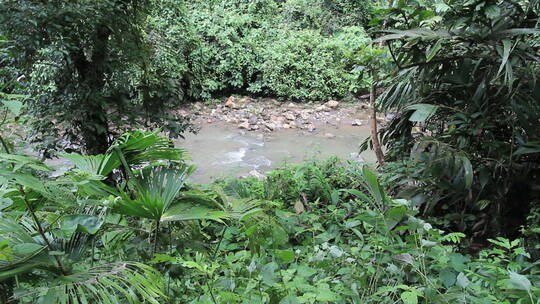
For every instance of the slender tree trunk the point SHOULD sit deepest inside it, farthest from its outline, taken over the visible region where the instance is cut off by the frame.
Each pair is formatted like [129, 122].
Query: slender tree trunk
[156, 234]
[372, 100]
[373, 117]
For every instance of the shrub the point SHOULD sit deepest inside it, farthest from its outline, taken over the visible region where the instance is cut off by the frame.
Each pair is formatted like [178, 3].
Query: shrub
[244, 48]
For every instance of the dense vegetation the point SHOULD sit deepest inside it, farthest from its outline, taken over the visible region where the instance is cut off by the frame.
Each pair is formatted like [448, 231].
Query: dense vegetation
[451, 216]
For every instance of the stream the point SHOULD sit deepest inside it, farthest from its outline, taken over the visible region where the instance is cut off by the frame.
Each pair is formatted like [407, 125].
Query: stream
[222, 150]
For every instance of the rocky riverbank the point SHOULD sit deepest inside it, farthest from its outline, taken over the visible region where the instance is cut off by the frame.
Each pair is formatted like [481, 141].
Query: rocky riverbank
[270, 115]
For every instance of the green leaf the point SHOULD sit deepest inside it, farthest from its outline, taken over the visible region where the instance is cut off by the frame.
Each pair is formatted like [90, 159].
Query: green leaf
[373, 185]
[493, 11]
[14, 106]
[462, 280]
[324, 293]
[25, 248]
[187, 212]
[26, 180]
[422, 111]
[269, 275]
[447, 277]
[289, 300]
[81, 223]
[433, 50]
[520, 281]
[287, 256]
[467, 170]
[20, 161]
[358, 194]
[409, 297]
[506, 53]
[394, 215]
[6, 253]
[457, 261]
[403, 258]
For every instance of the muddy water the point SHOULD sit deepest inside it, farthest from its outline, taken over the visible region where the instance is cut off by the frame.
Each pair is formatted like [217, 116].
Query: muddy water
[222, 150]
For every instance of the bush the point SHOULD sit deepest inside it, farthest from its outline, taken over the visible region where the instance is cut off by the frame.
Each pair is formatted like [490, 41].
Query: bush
[465, 136]
[244, 48]
[366, 249]
[305, 65]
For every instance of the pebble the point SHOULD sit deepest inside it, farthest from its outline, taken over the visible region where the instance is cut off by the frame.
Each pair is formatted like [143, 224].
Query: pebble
[357, 122]
[329, 135]
[270, 126]
[244, 125]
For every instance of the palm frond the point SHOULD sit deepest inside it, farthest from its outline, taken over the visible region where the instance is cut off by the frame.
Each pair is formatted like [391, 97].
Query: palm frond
[140, 147]
[153, 191]
[110, 283]
[101, 164]
[25, 253]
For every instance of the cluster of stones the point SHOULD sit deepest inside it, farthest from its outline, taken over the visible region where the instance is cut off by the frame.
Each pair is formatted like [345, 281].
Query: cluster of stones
[270, 115]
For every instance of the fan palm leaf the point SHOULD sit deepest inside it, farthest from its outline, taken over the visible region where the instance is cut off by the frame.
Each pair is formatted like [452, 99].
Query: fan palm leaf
[109, 283]
[141, 147]
[153, 191]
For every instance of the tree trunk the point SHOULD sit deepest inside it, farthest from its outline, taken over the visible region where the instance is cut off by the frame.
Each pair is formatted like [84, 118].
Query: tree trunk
[92, 123]
[374, 136]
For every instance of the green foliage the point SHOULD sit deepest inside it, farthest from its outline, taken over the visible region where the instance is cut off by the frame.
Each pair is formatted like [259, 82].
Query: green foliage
[101, 68]
[358, 251]
[464, 90]
[56, 233]
[88, 69]
[243, 48]
[332, 235]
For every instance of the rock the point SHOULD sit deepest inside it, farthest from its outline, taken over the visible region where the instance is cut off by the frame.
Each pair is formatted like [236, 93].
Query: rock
[256, 174]
[290, 116]
[230, 103]
[244, 125]
[332, 104]
[253, 120]
[310, 127]
[277, 119]
[245, 100]
[329, 135]
[366, 96]
[321, 108]
[292, 125]
[254, 127]
[357, 122]
[291, 105]
[286, 126]
[356, 157]
[270, 126]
